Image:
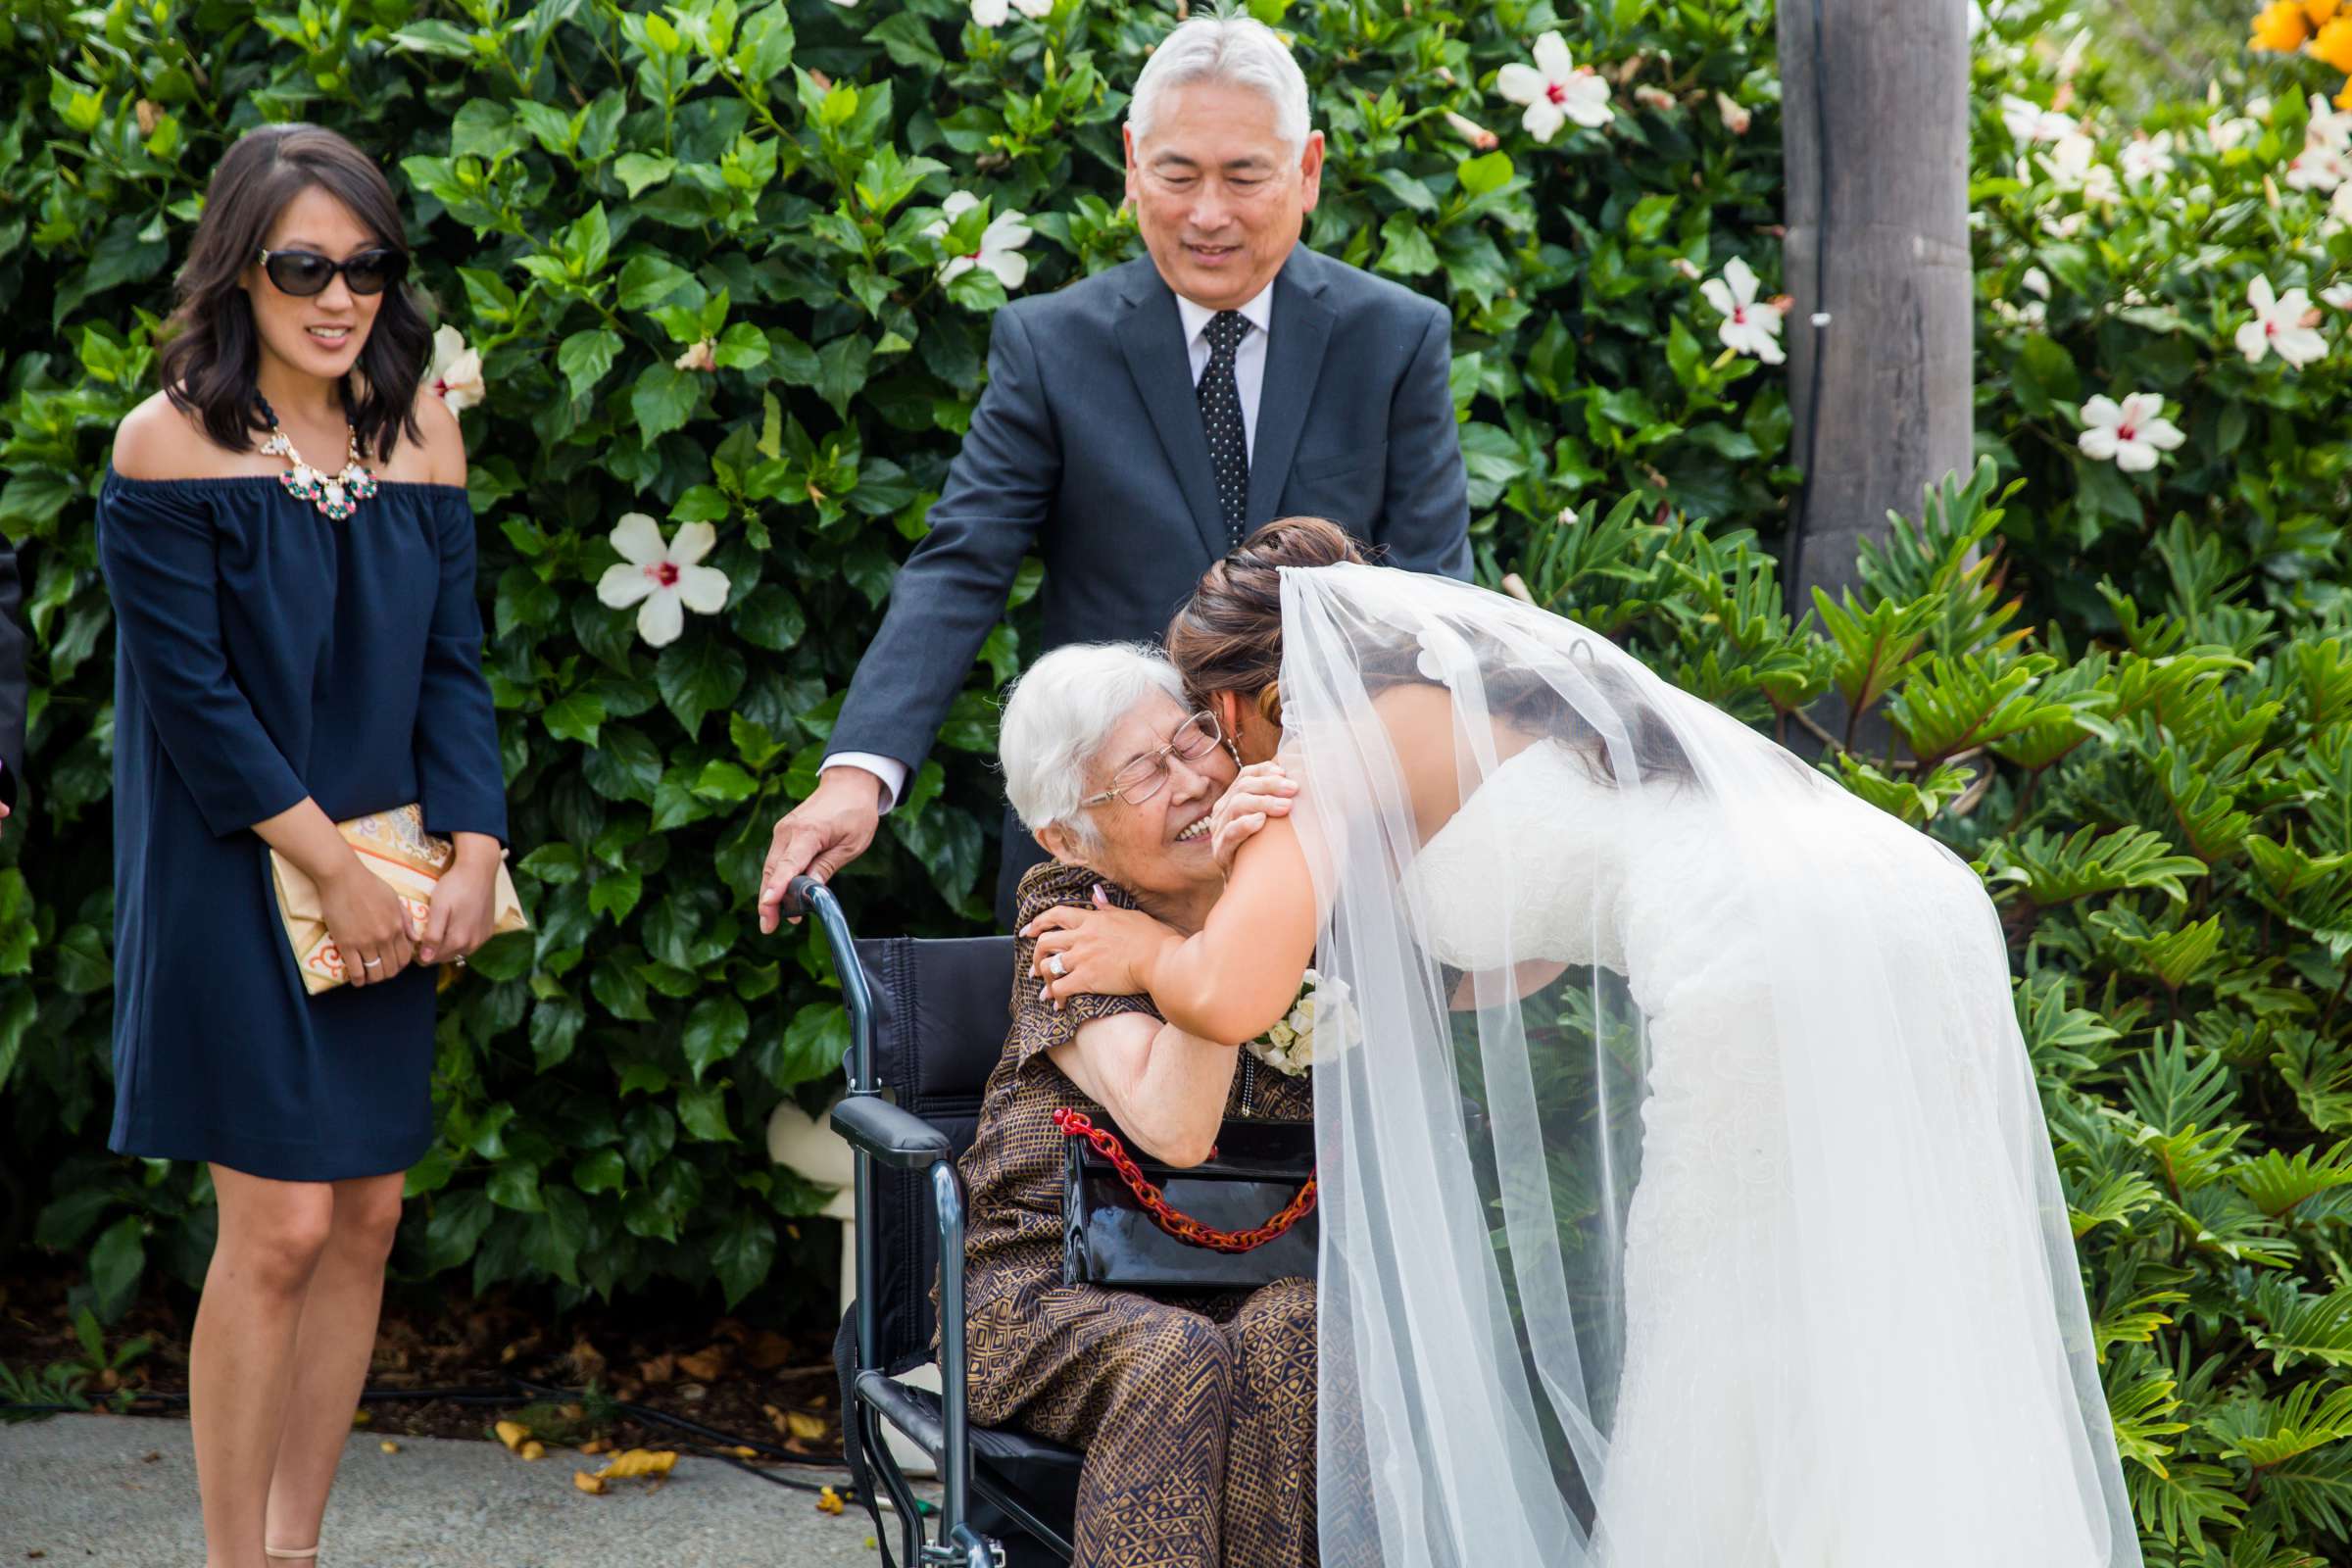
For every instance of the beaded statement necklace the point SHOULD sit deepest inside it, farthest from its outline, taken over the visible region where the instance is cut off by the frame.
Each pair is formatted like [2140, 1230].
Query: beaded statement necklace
[337, 496]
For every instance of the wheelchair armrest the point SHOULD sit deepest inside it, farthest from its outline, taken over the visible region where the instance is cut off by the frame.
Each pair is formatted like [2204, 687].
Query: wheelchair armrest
[893, 1136]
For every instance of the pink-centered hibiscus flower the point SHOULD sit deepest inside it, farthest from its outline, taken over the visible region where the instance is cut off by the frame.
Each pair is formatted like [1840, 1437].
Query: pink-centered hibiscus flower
[663, 580]
[1555, 91]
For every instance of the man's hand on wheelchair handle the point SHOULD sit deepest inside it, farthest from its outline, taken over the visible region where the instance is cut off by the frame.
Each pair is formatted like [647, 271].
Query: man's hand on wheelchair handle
[820, 836]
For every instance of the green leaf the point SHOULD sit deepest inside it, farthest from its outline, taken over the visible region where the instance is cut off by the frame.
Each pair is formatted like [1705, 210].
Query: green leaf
[116, 1263]
[663, 399]
[1485, 175]
[715, 1030]
[742, 1253]
[698, 675]
[585, 357]
[576, 718]
[600, 1172]
[703, 1113]
[638, 170]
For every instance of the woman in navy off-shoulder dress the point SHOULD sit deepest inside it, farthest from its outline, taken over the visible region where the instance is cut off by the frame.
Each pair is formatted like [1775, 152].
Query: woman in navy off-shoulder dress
[289, 657]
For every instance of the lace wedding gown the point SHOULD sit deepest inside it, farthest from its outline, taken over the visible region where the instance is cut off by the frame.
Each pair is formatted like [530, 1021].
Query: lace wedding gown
[1807, 1298]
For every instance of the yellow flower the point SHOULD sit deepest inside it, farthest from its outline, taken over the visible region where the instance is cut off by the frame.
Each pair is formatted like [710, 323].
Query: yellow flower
[2280, 26]
[2333, 43]
[2321, 12]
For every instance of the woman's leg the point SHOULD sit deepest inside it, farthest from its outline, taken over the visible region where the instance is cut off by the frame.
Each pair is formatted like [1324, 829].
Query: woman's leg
[332, 1352]
[1145, 1388]
[1270, 1458]
[241, 1355]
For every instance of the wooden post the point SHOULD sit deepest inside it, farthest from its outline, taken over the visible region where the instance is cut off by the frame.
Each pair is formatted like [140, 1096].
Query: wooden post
[1874, 94]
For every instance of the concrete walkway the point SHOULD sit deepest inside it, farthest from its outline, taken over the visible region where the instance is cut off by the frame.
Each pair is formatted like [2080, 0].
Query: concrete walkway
[121, 1491]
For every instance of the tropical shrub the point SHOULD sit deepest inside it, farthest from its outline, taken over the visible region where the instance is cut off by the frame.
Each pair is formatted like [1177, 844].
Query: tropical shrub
[707, 259]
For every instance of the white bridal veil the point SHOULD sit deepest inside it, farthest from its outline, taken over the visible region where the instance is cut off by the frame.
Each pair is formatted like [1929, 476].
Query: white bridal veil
[1685, 1197]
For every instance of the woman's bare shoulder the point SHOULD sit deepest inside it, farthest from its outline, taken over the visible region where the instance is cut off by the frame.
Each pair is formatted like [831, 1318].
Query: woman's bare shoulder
[157, 441]
[441, 452]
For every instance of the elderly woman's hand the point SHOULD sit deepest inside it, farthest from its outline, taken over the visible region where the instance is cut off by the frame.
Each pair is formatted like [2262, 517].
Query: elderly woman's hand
[1260, 791]
[1103, 951]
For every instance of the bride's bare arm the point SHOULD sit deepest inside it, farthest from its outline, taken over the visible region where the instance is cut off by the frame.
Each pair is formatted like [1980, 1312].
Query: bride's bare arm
[1164, 1088]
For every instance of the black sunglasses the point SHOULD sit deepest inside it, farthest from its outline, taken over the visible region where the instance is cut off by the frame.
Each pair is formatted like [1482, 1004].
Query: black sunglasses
[303, 273]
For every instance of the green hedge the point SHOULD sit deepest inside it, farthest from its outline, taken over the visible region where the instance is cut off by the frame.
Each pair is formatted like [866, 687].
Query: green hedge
[2127, 695]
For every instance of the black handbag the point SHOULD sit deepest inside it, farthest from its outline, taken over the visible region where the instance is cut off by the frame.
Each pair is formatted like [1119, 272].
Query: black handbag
[1260, 1179]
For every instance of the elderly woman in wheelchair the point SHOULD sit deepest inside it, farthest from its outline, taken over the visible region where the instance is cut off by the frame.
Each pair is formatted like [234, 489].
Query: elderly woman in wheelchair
[1196, 1413]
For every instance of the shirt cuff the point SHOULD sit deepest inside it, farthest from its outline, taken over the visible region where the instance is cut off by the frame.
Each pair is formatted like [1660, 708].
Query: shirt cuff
[889, 769]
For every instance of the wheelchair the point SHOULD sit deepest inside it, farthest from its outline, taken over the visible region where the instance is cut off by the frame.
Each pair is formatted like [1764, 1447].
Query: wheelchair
[927, 1021]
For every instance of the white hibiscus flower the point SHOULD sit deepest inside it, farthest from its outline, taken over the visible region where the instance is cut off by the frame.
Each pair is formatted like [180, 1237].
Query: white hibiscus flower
[456, 371]
[2278, 326]
[2129, 434]
[1000, 244]
[2147, 158]
[664, 580]
[1749, 325]
[1555, 91]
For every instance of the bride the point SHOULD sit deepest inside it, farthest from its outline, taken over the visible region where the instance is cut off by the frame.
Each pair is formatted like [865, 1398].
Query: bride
[1754, 1253]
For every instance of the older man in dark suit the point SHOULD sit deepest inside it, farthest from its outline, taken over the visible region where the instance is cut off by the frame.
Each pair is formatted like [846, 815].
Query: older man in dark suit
[1138, 423]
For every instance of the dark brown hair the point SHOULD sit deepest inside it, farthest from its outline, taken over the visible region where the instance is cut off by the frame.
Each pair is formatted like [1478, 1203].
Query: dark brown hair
[1228, 636]
[210, 362]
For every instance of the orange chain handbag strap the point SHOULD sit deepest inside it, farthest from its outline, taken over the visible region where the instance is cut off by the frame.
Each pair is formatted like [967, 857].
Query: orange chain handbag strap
[1078, 1124]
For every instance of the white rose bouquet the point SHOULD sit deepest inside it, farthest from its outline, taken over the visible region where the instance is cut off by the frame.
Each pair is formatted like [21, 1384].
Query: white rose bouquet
[1321, 1013]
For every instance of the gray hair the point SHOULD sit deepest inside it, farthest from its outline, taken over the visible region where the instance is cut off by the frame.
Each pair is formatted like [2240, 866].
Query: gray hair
[1238, 51]
[1059, 713]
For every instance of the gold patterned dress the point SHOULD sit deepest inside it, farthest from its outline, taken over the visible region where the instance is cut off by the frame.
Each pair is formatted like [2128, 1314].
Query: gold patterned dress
[1197, 1413]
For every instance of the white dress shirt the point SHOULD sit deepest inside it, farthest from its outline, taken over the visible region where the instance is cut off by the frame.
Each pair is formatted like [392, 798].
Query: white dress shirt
[1248, 377]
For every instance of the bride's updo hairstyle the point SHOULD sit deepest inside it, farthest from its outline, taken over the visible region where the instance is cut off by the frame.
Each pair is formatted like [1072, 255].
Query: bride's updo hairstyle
[1228, 636]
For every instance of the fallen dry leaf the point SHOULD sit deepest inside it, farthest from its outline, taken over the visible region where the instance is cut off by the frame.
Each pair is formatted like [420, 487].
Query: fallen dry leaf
[768, 1351]
[640, 1462]
[594, 1445]
[806, 1427]
[533, 1450]
[745, 1452]
[360, 1418]
[828, 1501]
[389, 1447]
[660, 1369]
[705, 1366]
[594, 1486]
[511, 1434]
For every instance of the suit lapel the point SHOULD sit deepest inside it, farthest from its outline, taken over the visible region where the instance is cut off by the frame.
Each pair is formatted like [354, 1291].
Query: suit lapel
[1151, 339]
[1295, 342]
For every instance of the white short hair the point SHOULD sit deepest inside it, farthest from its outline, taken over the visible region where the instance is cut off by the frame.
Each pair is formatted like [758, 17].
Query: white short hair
[1238, 51]
[1057, 717]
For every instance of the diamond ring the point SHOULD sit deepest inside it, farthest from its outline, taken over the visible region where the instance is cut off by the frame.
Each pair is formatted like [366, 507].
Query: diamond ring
[1055, 965]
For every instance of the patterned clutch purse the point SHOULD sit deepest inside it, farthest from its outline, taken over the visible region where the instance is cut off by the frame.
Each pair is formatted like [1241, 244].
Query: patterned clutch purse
[395, 846]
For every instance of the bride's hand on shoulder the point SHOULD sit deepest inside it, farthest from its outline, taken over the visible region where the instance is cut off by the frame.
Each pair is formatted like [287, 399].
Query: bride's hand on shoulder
[1101, 950]
[1260, 791]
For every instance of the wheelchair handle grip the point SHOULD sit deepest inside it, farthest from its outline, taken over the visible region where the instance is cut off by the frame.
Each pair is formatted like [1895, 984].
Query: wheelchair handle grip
[800, 895]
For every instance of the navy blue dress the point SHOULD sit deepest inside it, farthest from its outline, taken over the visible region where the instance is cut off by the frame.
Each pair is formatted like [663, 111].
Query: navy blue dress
[263, 654]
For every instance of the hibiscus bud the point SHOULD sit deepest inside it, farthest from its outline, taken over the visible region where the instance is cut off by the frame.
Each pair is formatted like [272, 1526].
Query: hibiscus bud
[1736, 116]
[1688, 268]
[825, 83]
[151, 114]
[2064, 96]
[1783, 303]
[1631, 69]
[1567, 516]
[1774, 230]
[1657, 98]
[698, 358]
[1446, 76]
[2310, 318]
[1471, 132]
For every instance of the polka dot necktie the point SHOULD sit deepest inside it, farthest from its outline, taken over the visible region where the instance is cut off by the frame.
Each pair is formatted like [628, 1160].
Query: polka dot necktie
[1221, 419]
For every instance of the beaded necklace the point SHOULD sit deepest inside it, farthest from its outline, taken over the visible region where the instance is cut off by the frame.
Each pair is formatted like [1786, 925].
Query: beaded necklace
[338, 495]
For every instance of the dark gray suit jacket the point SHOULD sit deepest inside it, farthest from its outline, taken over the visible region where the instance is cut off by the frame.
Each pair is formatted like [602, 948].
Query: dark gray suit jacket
[1086, 447]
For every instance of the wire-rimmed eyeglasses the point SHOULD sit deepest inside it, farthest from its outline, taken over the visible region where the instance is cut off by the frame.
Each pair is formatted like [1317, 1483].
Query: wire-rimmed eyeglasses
[1144, 777]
